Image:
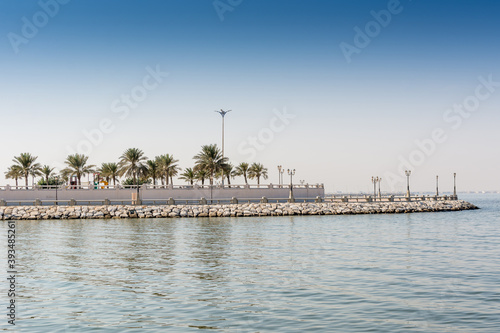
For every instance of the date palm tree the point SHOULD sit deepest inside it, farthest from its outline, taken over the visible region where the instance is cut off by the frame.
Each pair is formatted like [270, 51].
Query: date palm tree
[210, 158]
[77, 166]
[229, 172]
[257, 170]
[35, 173]
[65, 175]
[189, 175]
[153, 170]
[242, 170]
[46, 171]
[110, 171]
[14, 172]
[168, 167]
[173, 171]
[132, 164]
[28, 165]
[201, 174]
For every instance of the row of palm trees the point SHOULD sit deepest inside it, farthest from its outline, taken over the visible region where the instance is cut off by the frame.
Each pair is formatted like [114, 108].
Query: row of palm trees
[210, 164]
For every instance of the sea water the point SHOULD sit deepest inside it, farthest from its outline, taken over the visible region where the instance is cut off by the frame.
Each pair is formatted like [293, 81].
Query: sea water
[421, 272]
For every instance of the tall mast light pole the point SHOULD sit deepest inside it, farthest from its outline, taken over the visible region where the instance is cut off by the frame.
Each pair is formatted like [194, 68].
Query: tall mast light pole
[223, 114]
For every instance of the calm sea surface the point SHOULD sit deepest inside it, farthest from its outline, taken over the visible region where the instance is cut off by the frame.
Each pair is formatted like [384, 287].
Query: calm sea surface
[428, 272]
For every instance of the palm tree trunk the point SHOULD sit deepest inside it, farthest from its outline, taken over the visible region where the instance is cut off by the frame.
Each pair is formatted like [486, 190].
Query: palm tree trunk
[26, 180]
[258, 180]
[246, 181]
[171, 180]
[16, 183]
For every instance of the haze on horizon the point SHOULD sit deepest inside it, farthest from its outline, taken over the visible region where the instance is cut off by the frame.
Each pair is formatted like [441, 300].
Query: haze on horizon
[339, 90]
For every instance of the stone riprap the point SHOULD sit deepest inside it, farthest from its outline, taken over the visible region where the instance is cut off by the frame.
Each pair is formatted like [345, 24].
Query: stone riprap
[227, 210]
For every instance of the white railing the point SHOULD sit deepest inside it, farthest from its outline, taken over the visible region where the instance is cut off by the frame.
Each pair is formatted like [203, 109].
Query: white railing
[154, 187]
[386, 198]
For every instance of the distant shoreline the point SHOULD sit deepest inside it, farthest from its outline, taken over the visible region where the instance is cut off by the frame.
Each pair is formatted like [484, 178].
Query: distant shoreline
[227, 210]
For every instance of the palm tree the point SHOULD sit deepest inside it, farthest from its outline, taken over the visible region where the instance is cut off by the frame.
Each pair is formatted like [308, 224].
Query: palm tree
[189, 175]
[173, 171]
[229, 172]
[201, 174]
[65, 174]
[77, 166]
[153, 170]
[46, 171]
[101, 172]
[257, 170]
[14, 172]
[132, 163]
[168, 167]
[242, 170]
[210, 158]
[27, 164]
[35, 173]
[110, 171]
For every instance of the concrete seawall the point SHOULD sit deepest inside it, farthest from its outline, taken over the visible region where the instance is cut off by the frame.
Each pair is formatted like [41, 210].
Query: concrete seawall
[227, 210]
[157, 193]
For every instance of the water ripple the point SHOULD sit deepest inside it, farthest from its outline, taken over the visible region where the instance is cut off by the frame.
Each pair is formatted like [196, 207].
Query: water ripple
[373, 273]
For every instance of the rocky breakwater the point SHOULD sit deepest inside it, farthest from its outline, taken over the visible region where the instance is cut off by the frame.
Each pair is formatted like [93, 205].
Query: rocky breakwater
[227, 210]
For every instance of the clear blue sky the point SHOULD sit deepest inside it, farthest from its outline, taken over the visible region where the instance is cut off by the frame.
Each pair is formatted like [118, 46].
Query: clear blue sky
[66, 68]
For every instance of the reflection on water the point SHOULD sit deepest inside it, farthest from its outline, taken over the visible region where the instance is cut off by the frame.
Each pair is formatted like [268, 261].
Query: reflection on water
[382, 273]
[210, 250]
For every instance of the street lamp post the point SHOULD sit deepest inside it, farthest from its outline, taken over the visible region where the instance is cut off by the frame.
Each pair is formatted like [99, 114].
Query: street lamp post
[211, 190]
[137, 185]
[408, 173]
[374, 181]
[223, 114]
[282, 172]
[455, 185]
[379, 193]
[279, 174]
[437, 185]
[291, 173]
[57, 185]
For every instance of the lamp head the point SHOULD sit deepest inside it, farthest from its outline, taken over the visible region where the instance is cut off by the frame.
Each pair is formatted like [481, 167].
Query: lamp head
[222, 112]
